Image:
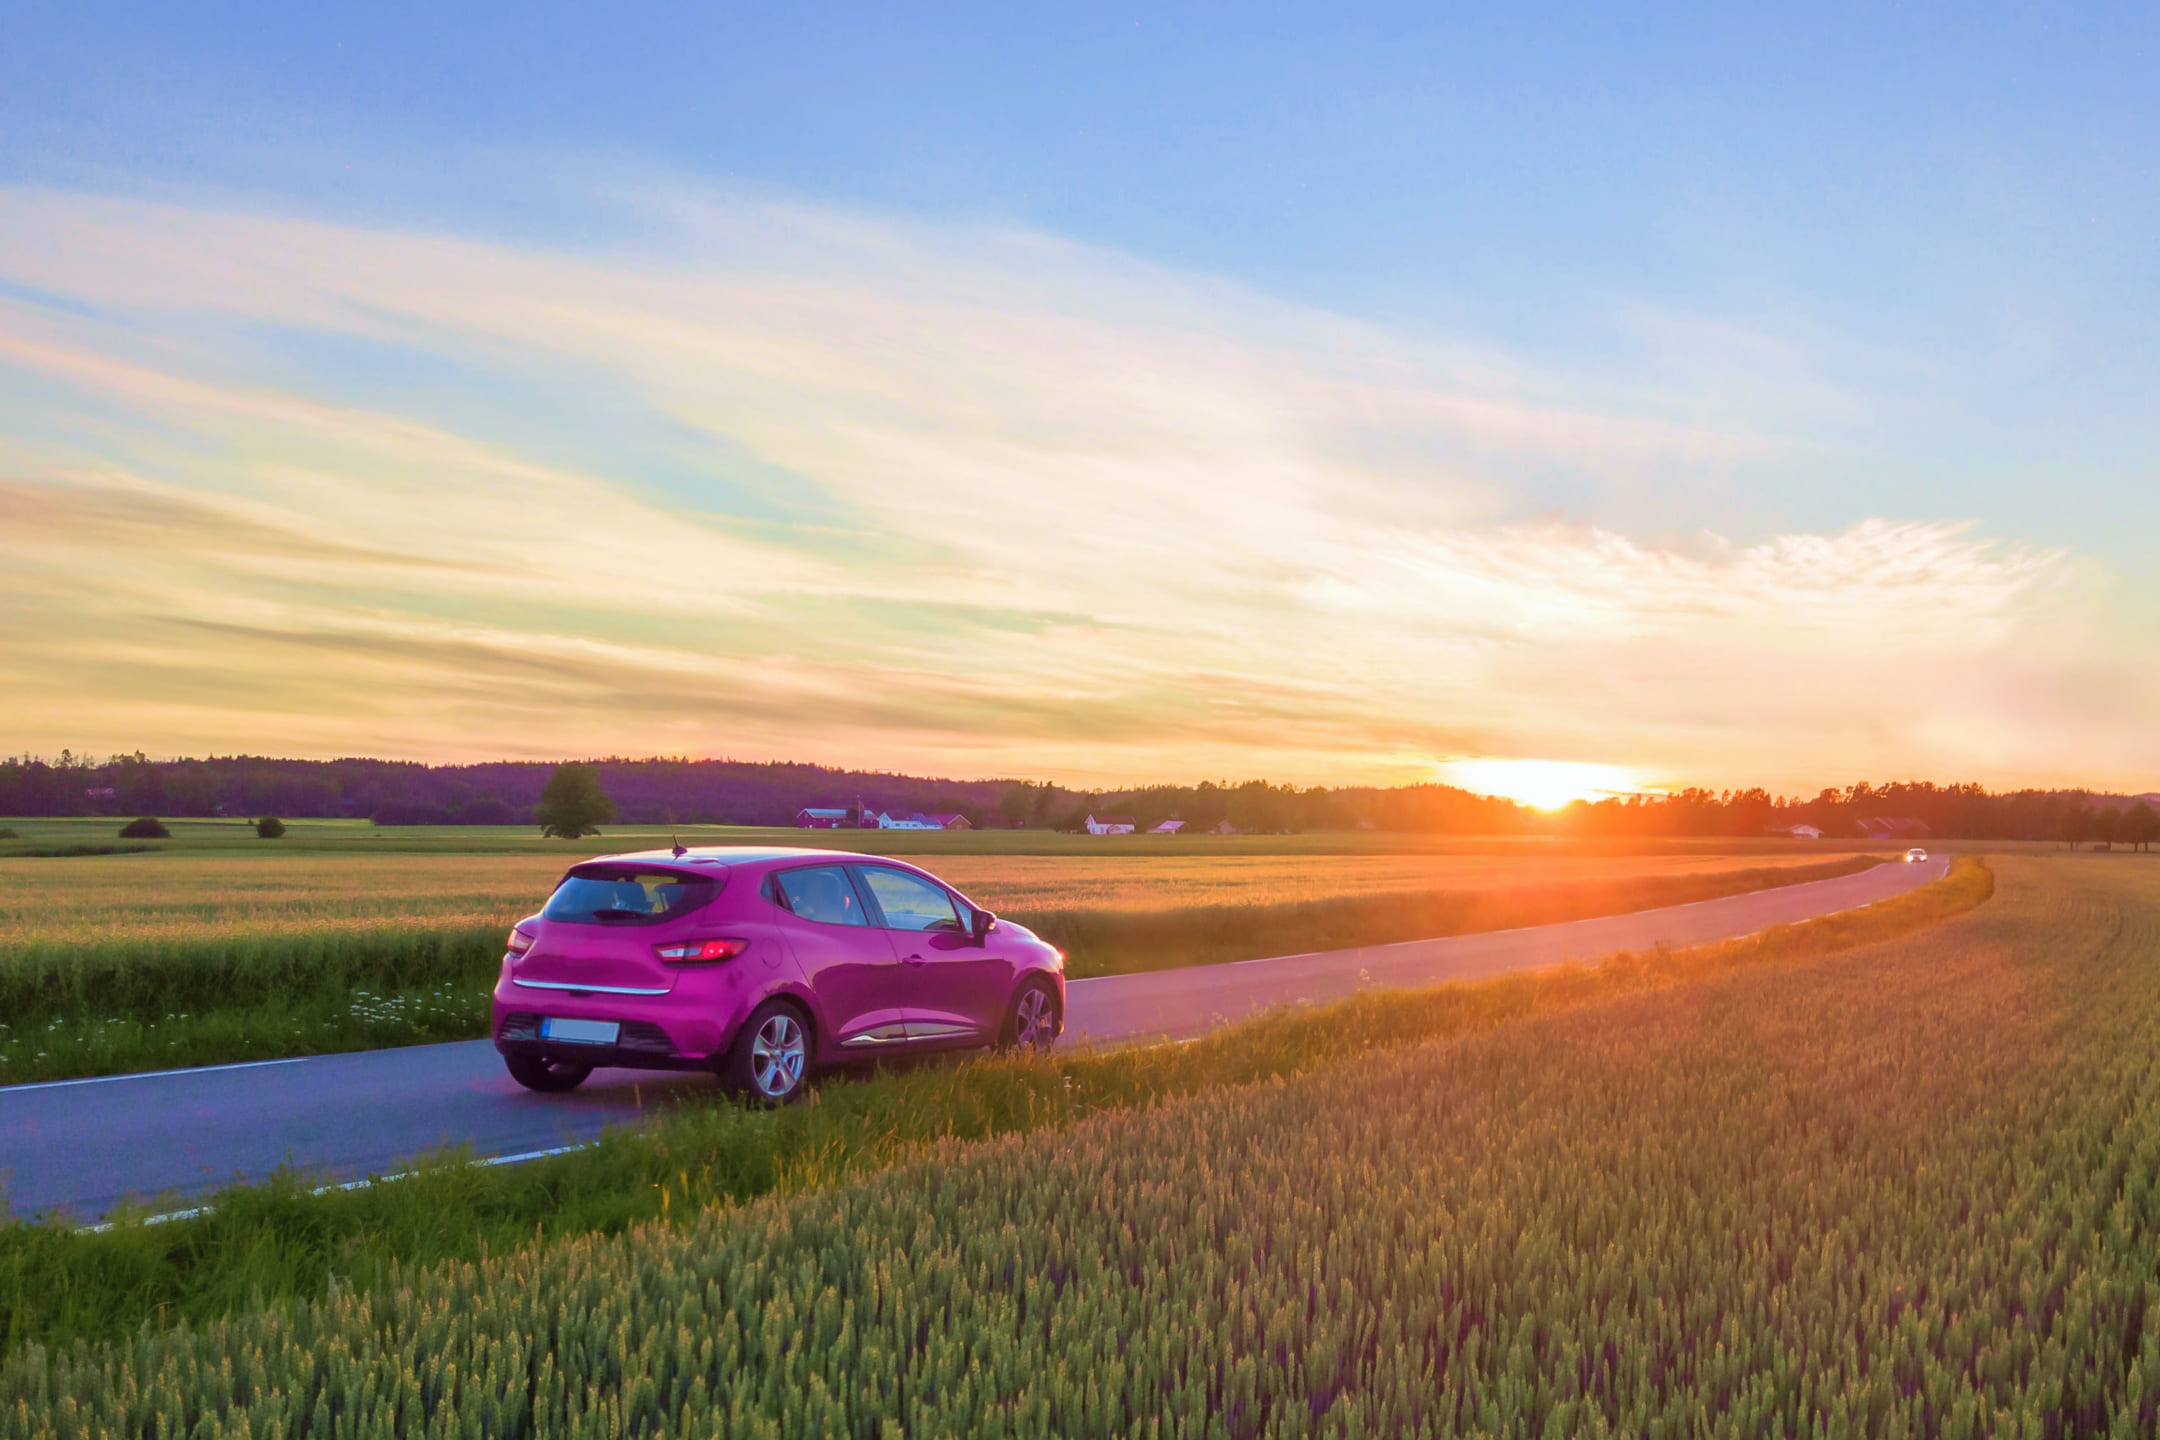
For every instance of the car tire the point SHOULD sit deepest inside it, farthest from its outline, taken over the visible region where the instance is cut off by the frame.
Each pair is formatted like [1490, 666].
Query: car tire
[770, 1064]
[1031, 1021]
[547, 1075]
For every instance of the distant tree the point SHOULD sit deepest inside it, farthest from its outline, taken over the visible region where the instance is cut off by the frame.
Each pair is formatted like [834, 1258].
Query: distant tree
[138, 784]
[270, 827]
[1016, 802]
[1205, 808]
[2140, 826]
[191, 789]
[1260, 808]
[2076, 826]
[149, 827]
[2105, 823]
[1076, 818]
[573, 805]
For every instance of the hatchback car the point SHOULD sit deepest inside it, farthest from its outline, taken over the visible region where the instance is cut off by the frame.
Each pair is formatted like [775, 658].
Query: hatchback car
[762, 965]
[1915, 855]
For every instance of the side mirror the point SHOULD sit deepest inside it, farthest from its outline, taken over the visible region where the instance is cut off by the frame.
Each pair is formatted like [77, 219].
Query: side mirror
[984, 920]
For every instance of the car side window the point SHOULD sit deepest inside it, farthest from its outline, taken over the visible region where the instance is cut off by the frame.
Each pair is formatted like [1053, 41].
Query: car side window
[909, 901]
[821, 893]
[966, 914]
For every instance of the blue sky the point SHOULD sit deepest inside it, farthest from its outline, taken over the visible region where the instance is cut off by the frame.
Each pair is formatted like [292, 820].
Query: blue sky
[1799, 273]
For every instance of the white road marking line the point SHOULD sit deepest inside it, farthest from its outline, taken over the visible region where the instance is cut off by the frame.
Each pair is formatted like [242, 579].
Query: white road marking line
[191, 1213]
[6, 1090]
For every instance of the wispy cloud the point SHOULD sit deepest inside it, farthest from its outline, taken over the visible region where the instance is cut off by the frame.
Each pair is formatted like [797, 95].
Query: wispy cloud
[783, 481]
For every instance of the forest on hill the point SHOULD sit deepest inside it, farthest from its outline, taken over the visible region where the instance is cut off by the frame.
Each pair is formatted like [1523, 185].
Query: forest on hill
[683, 791]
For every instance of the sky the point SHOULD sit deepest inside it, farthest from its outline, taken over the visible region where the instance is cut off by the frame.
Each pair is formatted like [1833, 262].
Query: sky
[1694, 397]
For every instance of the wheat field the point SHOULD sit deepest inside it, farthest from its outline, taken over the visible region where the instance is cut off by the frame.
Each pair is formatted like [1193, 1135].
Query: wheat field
[193, 894]
[1907, 1190]
[277, 1241]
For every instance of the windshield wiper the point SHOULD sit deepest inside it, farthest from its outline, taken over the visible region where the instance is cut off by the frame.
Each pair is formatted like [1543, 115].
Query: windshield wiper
[611, 913]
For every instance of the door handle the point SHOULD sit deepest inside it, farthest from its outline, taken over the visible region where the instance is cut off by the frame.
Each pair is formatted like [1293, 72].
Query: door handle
[913, 960]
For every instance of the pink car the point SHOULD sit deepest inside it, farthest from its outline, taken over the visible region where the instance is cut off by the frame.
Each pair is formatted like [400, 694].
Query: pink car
[762, 964]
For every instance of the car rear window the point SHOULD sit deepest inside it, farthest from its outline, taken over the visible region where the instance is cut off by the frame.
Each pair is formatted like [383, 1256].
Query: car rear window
[612, 895]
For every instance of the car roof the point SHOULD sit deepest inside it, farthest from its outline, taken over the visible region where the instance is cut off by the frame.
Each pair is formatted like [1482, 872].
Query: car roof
[731, 855]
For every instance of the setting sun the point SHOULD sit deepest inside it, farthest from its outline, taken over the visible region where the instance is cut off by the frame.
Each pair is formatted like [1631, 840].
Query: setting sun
[1544, 784]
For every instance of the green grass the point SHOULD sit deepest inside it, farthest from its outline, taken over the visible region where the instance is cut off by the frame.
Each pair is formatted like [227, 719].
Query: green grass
[106, 1007]
[361, 837]
[1118, 942]
[278, 1243]
[102, 1009]
[1906, 1191]
[206, 894]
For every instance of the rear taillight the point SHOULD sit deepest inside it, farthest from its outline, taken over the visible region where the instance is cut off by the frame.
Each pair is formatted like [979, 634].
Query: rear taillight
[520, 942]
[701, 952]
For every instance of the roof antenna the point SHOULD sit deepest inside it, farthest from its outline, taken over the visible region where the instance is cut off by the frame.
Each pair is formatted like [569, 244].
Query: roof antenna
[679, 851]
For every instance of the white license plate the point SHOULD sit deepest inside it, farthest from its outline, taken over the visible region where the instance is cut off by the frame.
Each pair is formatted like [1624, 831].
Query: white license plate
[583, 1032]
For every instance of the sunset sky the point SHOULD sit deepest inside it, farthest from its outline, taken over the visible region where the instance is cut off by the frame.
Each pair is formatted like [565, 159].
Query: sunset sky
[1139, 395]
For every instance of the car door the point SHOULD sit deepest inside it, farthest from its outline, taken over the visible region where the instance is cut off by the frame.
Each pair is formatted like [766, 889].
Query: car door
[848, 962]
[952, 990]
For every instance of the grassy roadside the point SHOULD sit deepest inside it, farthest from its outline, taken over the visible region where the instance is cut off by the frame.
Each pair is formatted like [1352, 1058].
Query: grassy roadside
[106, 1008]
[276, 1243]
[1112, 942]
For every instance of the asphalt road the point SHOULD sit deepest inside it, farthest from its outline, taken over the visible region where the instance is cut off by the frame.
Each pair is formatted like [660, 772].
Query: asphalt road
[87, 1145]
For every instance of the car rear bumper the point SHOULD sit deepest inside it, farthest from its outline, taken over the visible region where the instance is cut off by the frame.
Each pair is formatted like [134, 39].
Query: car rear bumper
[642, 1045]
[688, 1025]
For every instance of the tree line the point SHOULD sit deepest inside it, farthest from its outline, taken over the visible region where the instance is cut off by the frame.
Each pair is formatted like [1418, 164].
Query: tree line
[683, 791]
[1916, 808]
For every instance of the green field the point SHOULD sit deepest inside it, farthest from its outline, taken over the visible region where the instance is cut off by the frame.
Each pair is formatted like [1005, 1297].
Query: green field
[278, 1242]
[216, 950]
[356, 837]
[1900, 1189]
[189, 891]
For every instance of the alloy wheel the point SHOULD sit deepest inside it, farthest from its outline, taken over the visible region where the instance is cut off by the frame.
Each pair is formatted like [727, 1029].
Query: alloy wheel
[1034, 1019]
[777, 1057]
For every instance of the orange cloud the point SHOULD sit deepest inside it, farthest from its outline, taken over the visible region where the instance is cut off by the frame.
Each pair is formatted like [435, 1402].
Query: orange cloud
[809, 485]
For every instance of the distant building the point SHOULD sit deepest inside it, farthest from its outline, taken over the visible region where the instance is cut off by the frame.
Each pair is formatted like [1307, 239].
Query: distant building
[1800, 832]
[1168, 827]
[1222, 827]
[882, 820]
[1111, 825]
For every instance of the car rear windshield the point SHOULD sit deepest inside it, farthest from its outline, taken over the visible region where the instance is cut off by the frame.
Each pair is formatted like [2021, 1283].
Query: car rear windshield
[615, 895]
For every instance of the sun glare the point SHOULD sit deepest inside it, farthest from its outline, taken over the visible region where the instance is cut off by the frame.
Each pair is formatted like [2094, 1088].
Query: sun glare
[1541, 784]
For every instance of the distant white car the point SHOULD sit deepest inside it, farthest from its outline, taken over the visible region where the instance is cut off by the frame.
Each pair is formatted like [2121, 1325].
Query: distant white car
[1915, 855]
